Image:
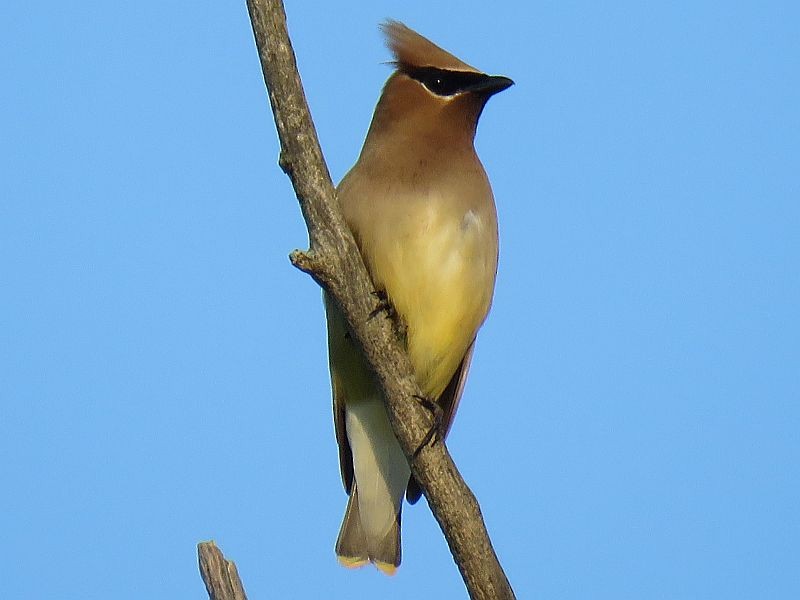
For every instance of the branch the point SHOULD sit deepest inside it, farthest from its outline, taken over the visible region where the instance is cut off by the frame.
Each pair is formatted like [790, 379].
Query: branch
[220, 575]
[336, 264]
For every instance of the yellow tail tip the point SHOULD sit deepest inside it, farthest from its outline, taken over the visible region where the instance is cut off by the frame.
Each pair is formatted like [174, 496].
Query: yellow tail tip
[352, 562]
[386, 568]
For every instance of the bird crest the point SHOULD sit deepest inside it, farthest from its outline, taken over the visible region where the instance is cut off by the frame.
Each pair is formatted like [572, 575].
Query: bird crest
[411, 50]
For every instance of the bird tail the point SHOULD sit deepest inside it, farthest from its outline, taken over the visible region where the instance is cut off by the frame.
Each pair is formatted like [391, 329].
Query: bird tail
[354, 548]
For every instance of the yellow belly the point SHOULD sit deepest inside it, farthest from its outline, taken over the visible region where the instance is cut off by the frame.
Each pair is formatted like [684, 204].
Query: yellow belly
[438, 272]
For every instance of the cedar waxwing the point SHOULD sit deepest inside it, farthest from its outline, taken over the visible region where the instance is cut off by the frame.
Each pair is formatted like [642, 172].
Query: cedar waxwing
[421, 209]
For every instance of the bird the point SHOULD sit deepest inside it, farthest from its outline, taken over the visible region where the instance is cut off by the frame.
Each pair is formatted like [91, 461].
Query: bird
[421, 209]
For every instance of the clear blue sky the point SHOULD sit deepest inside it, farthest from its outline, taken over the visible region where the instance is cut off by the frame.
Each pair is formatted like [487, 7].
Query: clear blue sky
[632, 421]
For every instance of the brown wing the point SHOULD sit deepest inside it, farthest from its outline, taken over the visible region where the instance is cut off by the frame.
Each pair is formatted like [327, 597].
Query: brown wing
[449, 402]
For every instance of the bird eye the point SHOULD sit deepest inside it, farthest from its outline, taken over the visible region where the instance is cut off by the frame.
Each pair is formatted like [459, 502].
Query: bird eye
[437, 82]
[438, 86]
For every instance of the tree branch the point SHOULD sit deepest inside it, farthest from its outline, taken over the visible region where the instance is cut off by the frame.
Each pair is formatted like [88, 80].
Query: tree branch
[335, 263]
[220, 575]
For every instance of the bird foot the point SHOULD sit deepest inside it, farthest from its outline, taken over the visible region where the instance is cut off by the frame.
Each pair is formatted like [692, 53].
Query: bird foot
[384, 306]
[434, 433]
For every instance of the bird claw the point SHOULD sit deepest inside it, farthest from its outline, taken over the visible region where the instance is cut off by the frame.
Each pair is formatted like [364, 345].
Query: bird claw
[433, 434]
[384, 306]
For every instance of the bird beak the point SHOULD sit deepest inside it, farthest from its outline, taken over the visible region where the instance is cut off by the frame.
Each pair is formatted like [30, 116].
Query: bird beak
[490, 85]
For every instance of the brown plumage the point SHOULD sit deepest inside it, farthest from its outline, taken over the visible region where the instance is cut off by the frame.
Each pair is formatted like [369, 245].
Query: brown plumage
[421, 209]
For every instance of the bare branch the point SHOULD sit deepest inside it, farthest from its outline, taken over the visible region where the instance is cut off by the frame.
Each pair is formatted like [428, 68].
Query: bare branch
[220, 575]
[335, 263]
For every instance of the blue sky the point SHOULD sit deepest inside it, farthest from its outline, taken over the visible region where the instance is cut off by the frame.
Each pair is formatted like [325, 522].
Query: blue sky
[631, 422]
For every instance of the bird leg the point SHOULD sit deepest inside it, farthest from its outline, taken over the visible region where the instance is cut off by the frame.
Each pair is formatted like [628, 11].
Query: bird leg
[434, 432]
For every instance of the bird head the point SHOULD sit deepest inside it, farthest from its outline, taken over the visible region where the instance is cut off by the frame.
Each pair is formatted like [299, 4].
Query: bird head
[432, 91]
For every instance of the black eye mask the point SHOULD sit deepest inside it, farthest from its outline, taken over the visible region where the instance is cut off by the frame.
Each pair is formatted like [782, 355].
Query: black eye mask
[447, 83]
